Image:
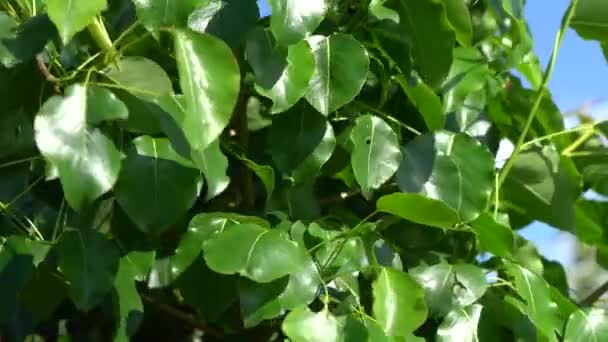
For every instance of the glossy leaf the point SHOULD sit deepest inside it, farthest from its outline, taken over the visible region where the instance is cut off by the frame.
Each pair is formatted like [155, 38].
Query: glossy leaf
[419, 209]
[156, 185]
[460, 324]
[71, 17]
[425, 99]
[398, 302]
[302, 325]
[591, 325]
[282, 75]
[257, 253]
[539, 307]
[89, 262]
[590, 19]
[431, 36]
[448, 167]
[342, 64]
[448, 287]
[87, 161]
[210, 80]
[376, 155]
[103, 105]
[294, 20]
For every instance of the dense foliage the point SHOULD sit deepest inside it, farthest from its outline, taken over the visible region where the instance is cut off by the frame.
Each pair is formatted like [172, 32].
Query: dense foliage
[189, 169]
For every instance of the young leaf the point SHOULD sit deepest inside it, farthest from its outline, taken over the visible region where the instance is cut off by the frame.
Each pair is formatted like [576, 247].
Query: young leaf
[450, 286]
[252, 251]
[376, 155]
[294, 20]
[398, 302]
[89, 262]
[210, 80]
[72, 16]
[448, 167]
[282, 76]
[156, 185]
[419, 209]
[342, 64]
[87, 161]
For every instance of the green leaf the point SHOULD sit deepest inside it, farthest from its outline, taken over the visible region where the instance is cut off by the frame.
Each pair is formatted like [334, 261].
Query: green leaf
[103, 105]
[311, 166]
[419, 209]
[376, 155]
[425, 99]
[539, 188]
[450, 286]
[214, 165]
[73, 16]
[432, 38]
[591, 218]
[449, 167]
[302, 325]
[210, 80]
[494, 237]
[293, 20]
[590, 19]
[460, 20]
[468, 75]
[460, 325]
[8, 25]
[539, 307]
[398, 302]
[342, 64]
[87, 161]
[130, 307]
[252, 251]
[142, 81]
[282, 75]
[89, 263]
[307, 130]
[264, 173]
[156, 185]
[155, 14]
[589, 325]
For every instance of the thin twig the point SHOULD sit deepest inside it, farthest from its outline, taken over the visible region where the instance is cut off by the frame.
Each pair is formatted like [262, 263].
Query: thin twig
[595, 295]
[541, 93]
[186, 318]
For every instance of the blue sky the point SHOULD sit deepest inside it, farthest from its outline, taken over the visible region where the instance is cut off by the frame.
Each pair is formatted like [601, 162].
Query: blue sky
[580, 77]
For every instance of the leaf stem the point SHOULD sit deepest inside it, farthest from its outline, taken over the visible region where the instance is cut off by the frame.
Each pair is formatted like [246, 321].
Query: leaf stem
[387, 116]
[541, 92]
[578, 142]
[557, 134]
[100, 35]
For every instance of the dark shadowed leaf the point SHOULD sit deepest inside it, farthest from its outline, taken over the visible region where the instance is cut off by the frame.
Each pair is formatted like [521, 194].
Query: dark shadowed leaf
[156, 185]
[432, 38]
[398, 302]
[342, 64]
[89, 262]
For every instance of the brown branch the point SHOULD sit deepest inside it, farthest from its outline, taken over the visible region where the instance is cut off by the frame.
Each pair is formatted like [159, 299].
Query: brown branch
[184, 317]
[47, 74]
[595, 295]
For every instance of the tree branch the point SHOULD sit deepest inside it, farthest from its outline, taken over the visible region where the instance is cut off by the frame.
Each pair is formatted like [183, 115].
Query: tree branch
[595, 295]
